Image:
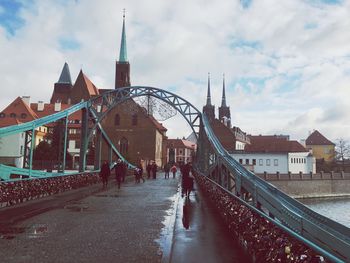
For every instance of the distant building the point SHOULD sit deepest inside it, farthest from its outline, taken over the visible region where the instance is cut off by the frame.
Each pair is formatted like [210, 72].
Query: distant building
[179, 151]
[272, 154]
[322, 148]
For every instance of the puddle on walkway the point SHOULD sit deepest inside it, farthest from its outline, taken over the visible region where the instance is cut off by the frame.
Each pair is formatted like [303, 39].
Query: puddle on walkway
[76, 207]
[37, 230]
[34, 231]
[165, 239]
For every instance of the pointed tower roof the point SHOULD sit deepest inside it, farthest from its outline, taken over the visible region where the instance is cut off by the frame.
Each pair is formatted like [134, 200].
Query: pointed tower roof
[208, 93]
[65, 75]
[223, 100]
[316, 138]
[123, 54]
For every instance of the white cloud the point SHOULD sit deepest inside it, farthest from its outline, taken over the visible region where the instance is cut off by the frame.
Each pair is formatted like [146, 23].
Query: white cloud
[172, 45]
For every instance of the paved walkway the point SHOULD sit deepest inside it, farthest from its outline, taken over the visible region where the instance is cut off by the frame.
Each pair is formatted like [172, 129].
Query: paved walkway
[133, 224]
[109, 226]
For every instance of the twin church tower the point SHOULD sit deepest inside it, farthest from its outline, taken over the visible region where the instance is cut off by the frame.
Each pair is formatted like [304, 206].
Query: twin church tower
[224, 110]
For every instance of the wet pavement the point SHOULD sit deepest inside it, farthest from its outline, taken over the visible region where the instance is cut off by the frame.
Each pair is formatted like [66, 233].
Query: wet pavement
[133, 224]
[107, 226]
[200, 235]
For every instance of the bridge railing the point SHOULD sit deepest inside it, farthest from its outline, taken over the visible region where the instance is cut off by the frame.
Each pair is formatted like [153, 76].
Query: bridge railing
[326, 234]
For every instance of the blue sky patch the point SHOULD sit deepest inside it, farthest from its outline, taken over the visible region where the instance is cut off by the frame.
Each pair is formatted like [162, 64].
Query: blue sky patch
[242, 43]
[326, 2]
[9, 16]
[246, 3]
[67, 43]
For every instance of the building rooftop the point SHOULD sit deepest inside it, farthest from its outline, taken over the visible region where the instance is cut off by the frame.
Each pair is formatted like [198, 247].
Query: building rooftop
[316, 138]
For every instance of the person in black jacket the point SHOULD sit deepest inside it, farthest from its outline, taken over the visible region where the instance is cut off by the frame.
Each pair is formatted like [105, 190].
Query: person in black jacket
[105, 173]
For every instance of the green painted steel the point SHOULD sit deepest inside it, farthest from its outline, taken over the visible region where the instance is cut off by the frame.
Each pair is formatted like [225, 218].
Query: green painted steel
[323, 234]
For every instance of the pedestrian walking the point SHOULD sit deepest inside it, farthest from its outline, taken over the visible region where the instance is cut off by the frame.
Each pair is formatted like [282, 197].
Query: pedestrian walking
[166, 170]
[138, 172]
[173, 170]
[124, 171]
[154, 170]
[148, 170]
[118, 172]
[104, 174]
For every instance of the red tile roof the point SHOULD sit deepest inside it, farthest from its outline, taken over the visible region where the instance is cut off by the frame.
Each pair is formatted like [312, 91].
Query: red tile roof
[273, 144]
[316, 138]
[21, 113]
[180, 143]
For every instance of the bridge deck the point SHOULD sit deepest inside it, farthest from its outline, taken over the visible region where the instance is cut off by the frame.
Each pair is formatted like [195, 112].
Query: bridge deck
[110, 226]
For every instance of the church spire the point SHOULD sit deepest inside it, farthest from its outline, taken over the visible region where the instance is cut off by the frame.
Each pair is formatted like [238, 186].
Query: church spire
[65, 75]
[223, 100]
[122, 67]
[208, 93]
[123, 54]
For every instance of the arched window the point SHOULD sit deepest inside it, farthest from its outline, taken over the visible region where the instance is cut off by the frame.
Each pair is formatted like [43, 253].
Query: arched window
[116, 120]
[123, 144]
[13, 115]
[134, 120]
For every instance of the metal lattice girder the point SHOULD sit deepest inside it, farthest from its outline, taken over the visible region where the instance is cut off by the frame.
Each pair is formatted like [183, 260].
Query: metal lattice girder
[109, 100]
[322, 234]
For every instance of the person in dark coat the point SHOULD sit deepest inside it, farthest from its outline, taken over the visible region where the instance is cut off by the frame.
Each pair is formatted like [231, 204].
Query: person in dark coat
[166, 170]
[118, 172]
[105, 173]
[125, 169]
[154, 170]
[148, 170]
[187, 180]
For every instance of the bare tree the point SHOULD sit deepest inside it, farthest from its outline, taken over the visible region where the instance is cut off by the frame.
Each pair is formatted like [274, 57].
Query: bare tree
[342, 150]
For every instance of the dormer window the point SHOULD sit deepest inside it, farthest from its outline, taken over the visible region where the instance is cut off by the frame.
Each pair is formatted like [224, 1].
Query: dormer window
[2, 115]
[13, 115]
[23, 115]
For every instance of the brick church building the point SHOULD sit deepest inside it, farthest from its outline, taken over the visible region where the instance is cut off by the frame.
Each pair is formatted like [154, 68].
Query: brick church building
[136, 133]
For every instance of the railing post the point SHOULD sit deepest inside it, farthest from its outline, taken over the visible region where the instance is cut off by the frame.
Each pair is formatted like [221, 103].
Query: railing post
[342, 174]
[332, 175]
[265, 175]
[97, 163]
[311, 175]
[290, 175]
[301, 175]
[83, 138]
[278, 175]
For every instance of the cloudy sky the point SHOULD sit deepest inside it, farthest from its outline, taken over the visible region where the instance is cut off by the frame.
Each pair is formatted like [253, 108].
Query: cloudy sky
[287, 62]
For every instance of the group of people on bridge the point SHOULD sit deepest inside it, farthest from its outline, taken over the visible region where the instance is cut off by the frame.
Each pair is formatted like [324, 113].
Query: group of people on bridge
[120, 170]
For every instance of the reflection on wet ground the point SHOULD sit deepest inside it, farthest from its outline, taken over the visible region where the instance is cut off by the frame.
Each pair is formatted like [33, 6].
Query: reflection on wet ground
[200, 236]
[34, 231]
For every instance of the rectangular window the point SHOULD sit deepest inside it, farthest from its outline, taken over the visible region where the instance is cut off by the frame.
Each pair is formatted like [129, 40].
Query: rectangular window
[260, 162]
[291, 160]
[21, 150]
[240, 161]
[275, 162]
[254, 161]
[247, 161]
[268, 162]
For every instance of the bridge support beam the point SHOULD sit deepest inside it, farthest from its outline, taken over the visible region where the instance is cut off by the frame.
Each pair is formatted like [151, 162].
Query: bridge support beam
[83, 139]
[98, 143]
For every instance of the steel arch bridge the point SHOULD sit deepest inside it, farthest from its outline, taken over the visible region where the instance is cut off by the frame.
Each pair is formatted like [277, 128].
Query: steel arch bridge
[212, 160]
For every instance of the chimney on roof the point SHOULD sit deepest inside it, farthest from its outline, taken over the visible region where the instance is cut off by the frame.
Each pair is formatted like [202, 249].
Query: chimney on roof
[40, 105]
[57, 106]
[26, 99]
